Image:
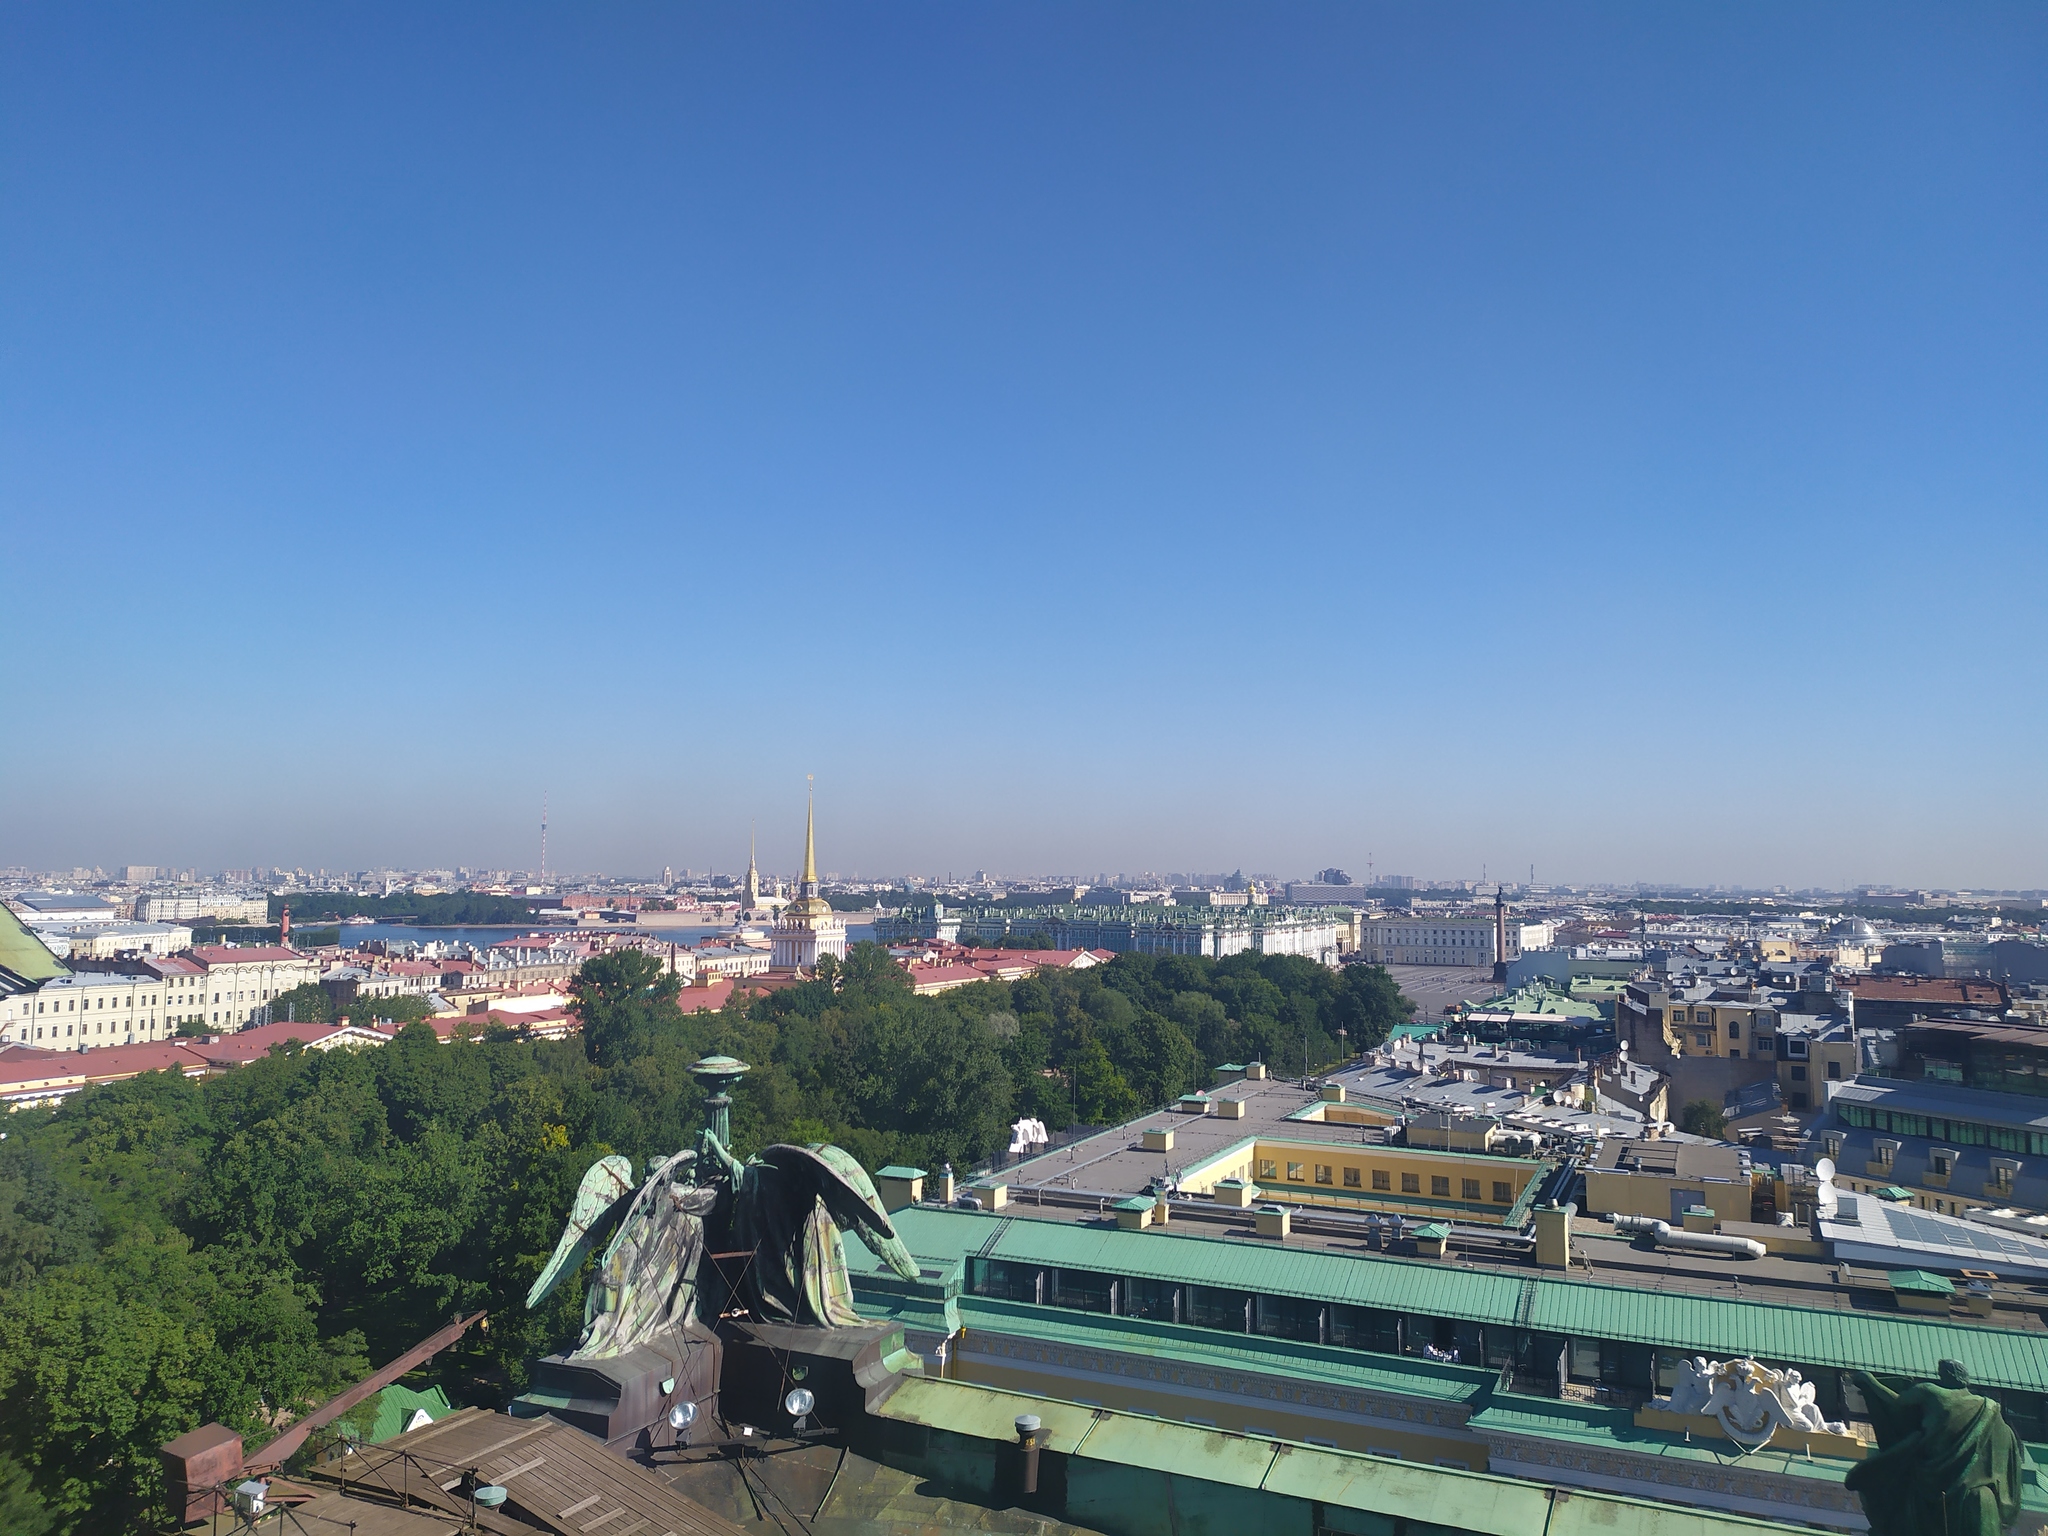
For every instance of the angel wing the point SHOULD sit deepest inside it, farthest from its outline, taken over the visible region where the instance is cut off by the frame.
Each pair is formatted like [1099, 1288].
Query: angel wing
[602, 1196]
[849, 1198]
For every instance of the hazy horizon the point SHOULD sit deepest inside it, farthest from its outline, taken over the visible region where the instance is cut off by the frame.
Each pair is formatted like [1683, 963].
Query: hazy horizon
[1609, 439]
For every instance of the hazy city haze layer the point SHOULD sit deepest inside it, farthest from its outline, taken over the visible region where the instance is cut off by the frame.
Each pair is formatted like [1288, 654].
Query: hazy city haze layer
[1087, 440]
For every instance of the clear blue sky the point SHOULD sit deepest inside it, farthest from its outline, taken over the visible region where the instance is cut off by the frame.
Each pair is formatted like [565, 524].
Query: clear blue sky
[1087, 437]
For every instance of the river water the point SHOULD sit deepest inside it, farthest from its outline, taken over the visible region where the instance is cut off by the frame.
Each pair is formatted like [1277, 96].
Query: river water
[359, 934]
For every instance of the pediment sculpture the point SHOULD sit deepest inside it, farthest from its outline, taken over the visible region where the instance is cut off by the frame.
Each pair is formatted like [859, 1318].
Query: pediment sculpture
[1749, 1401]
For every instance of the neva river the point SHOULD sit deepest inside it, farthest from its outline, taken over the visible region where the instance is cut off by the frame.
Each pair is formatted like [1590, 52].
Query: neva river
[406, 933]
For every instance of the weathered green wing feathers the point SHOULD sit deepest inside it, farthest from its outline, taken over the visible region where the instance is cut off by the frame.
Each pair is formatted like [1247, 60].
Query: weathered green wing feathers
[850, 1199]
[606, 1186]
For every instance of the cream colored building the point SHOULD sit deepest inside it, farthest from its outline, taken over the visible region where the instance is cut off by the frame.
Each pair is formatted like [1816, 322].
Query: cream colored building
[726, 962]
[808, 927]
[86, 1010]
[241, 980]
[107, 941]
[1435, 940]
[183, 988]
[253, 911]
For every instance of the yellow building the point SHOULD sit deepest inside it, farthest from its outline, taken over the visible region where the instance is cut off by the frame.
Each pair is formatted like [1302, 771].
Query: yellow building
[1664, 1179]
[1408, 1181]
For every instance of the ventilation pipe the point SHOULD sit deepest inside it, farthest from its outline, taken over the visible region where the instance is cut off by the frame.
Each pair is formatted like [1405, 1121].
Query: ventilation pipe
[1664, 1235]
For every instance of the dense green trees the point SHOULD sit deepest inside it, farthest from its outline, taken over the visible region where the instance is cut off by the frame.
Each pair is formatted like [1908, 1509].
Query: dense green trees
[456, 907]
[307, 1003]
[238, 1247]
[626, 1001]
[1703, 1117]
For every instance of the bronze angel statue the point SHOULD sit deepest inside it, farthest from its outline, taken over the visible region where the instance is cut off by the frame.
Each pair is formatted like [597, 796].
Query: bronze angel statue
[787, 1208]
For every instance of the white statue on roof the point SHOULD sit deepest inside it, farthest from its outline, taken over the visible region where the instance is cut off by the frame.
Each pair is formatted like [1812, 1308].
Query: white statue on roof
[1749, 1401]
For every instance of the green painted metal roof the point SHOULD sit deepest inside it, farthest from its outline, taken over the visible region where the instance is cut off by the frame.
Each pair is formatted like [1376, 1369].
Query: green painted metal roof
[1715, 1325]
[396, 1405]
[897, 1171]
[1186, 1450]
[1594, 1425]
[24, 954]
[1482, 1502]
[987, 1414]
[1182, 1343]
[1462, 1501]
[1922, 1282]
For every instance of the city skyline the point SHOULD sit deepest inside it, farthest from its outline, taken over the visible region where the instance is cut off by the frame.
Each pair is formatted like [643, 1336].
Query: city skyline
[1599, 440]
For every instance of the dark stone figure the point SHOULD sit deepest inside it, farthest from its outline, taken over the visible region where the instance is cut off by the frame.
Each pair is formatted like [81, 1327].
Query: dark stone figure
[1947, 1464]
[789, 1207]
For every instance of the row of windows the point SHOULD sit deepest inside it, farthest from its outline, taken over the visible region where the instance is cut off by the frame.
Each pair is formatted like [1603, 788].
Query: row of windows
[147, 1026]
[1549, 1357]
[71, 1004]
[1382, 1179]
[1963, 1133]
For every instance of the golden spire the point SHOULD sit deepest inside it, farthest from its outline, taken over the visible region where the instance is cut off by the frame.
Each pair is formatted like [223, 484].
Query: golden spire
[808, 903]
[810, 834]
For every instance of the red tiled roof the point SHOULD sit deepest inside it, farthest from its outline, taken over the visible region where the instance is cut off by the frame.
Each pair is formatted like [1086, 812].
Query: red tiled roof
[248, 1044]
[943, 978]
[706, 999]
[1923, 989]
[107, 1064]
[243, 954]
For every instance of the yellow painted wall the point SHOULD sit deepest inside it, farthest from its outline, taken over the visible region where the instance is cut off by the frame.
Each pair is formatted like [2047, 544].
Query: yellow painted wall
[1295, 1171]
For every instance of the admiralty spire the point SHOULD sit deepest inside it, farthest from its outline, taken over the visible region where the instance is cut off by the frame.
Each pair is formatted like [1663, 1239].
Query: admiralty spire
[809, 927]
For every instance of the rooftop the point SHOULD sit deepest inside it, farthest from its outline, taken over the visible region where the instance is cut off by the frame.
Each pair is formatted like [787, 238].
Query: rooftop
[1073, 1189]
[1923, 989]
[1675, 1159]
[1773, 1308]
[22, 953]
[244, 954]
[1917, 1096]
[1113, 1163]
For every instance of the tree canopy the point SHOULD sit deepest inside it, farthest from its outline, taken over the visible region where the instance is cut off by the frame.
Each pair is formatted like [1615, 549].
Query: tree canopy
[239, 1247]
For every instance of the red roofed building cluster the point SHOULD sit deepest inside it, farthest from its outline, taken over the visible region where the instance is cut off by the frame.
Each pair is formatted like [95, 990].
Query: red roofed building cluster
[938, 967]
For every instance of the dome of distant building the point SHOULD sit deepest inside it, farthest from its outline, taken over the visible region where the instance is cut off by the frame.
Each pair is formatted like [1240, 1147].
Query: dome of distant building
[1851, 928]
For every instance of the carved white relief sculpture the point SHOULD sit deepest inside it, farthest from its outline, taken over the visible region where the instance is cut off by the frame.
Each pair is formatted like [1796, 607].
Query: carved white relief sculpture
[1748, 1400]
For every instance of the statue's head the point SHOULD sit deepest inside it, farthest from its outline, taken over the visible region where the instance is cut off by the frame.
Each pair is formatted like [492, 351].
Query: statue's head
[1952, 1375]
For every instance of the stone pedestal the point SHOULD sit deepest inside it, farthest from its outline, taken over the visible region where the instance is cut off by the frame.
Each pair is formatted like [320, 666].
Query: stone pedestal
[846, 1370]
[624, 1400]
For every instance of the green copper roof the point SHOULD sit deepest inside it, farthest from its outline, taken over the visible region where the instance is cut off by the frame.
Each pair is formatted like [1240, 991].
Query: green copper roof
[1183, 1343]
[1481, 1502]
[1921, 1282]
[24, 954]
[396, 1405]
[1714, 1325]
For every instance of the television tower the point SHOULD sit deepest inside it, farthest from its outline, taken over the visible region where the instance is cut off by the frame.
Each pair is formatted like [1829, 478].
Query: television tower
[543, 837]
